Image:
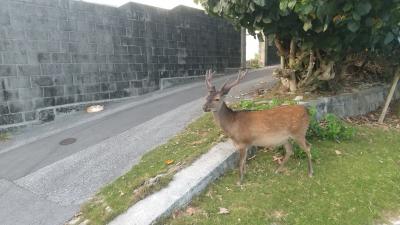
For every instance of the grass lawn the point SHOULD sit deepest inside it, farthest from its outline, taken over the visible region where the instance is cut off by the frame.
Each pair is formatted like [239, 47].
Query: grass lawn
[178, 152]
[355, 182]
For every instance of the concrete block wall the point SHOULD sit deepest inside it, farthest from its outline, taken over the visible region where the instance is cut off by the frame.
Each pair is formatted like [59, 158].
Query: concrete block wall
[58, 52]
[353, 104]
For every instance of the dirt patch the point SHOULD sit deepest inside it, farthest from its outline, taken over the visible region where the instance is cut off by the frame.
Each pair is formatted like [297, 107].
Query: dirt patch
[392, 119]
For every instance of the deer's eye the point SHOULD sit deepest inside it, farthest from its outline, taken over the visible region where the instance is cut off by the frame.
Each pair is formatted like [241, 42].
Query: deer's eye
[217, 99]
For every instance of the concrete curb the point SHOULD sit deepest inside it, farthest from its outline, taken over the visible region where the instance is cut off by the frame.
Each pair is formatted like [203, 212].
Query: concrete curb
[186, 184]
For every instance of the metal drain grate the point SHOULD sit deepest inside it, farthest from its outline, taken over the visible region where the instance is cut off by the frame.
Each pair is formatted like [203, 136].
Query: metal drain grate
[68, 141]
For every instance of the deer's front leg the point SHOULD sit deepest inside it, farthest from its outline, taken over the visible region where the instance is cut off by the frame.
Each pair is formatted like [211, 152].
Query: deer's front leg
[242, 162]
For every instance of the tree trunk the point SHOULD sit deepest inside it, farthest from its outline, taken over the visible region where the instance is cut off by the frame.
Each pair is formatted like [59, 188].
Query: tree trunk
[390, 96]
[311, 64]
[281, 50]
[292, 53]
[243, 48]
[292, 56]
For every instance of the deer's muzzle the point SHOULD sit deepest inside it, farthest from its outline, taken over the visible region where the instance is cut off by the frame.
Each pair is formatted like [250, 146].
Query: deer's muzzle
[206, 108]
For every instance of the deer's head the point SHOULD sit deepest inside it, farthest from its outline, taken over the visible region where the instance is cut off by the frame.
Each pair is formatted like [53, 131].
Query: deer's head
[215, 98]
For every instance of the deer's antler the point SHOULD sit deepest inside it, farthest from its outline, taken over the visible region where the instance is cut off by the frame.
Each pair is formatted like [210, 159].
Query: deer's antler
[209, 75]
[228, 85]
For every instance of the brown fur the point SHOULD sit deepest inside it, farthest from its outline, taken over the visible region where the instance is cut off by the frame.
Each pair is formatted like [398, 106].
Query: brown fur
[268, 128]
[248, 126]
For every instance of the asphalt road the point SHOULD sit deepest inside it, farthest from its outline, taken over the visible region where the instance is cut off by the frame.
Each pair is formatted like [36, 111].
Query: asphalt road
[44, 182]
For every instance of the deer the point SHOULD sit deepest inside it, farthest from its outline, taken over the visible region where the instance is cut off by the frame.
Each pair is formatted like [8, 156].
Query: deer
[266, 128]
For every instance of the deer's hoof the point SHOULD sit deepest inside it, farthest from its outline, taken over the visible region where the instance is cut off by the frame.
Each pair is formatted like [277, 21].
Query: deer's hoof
[310, 175]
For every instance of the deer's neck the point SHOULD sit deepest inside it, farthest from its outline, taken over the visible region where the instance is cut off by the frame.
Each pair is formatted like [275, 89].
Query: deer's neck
[224, 117]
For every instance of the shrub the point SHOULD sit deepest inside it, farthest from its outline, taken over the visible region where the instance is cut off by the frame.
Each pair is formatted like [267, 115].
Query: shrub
[261, 105]
[319, 40]
[329, 128]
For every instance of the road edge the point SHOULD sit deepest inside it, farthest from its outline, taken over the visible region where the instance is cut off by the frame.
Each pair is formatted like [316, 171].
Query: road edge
[186, 184]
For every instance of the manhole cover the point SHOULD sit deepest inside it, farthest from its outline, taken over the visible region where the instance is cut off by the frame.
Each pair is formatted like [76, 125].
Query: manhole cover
[68, 141]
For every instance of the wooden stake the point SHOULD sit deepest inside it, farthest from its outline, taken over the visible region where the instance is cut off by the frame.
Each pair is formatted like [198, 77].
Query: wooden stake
[390, 96]
[243, 47]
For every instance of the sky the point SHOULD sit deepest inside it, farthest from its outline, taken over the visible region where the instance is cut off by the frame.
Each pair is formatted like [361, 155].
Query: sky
[251, 43]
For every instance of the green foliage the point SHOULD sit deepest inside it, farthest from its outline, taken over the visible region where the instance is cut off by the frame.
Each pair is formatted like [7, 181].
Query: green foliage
[261, 105]
[329, 128]
[299, 153]
[254, 62]
[336, 27]
[324, 35]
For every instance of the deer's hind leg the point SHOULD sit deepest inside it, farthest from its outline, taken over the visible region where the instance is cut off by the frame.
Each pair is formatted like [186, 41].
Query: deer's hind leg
[307, 149]
[242, 162]
[288, 152]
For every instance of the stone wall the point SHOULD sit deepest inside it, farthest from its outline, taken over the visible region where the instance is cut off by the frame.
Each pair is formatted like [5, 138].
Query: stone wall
[353, 104]
[57, 52]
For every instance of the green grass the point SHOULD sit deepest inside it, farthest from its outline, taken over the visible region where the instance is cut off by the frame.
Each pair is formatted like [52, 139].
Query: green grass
[261, 104]
[118, 196]
[355, 182]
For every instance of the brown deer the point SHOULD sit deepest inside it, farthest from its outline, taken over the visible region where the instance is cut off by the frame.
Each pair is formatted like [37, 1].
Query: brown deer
[267, 128]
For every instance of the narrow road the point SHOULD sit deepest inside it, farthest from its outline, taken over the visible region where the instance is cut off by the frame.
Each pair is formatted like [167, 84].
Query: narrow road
[44, 183]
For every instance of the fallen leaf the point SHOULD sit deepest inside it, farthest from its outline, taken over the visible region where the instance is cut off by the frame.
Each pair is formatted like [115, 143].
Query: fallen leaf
[177, 214]
[169, 161]
[278, 214]
[209, 194]
[203, 133]
[251, 157]
[277, 159]
[223, 211]
[191, 210]
[338, 152]
[108, 209]
[197, 142]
